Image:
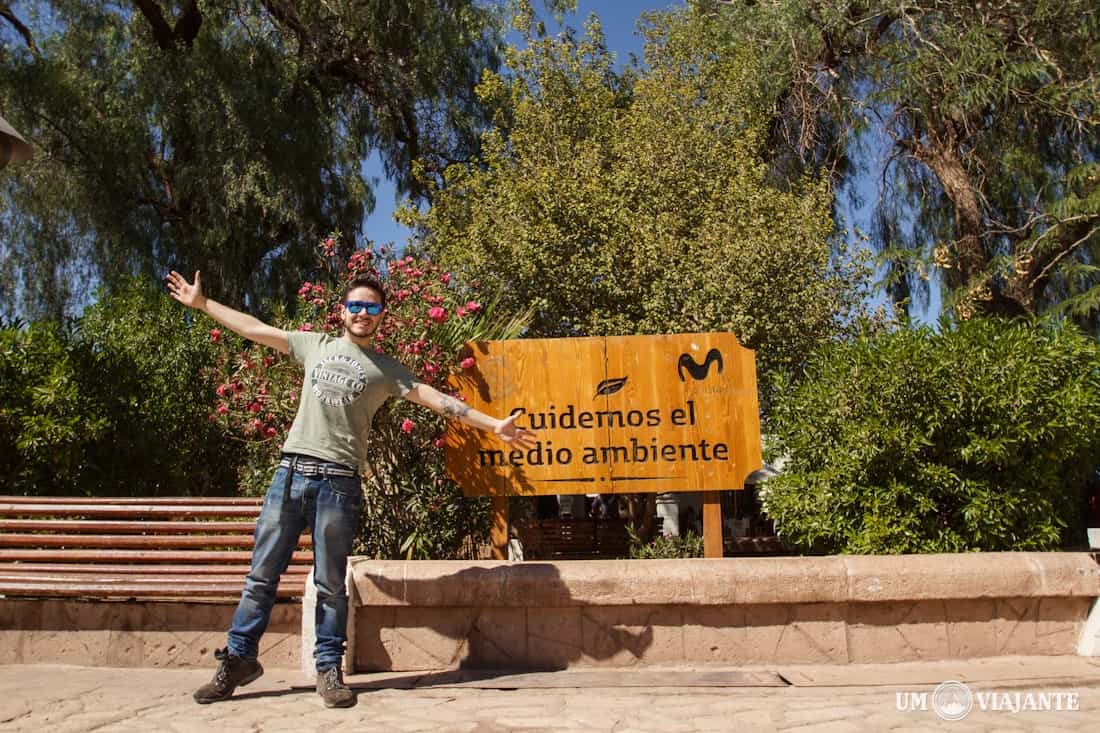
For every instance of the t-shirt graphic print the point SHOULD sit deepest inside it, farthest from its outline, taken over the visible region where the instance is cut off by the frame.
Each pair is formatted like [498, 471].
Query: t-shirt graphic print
[338, 380]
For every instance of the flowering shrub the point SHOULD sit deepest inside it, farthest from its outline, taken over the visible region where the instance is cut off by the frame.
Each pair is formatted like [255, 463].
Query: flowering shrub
[411, 509]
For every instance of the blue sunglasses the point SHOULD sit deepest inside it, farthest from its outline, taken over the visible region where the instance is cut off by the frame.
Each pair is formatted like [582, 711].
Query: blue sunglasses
[355, 306]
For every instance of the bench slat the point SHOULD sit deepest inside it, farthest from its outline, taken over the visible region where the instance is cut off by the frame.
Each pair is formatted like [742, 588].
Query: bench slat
[209, 556]
[146, 500]
[138, 579]
[135, 590]
[129, 541]
[106, 569]
[120, 511]
[98, 526]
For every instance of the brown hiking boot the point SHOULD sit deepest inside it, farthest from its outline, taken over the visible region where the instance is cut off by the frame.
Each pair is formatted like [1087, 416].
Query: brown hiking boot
[232, 671]
[331, 688]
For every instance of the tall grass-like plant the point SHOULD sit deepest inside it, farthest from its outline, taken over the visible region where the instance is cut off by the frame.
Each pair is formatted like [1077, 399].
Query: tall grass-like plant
[978, 436]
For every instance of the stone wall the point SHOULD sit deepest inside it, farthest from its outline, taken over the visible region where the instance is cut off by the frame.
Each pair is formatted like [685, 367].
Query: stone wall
[135, 634]
[439, 615]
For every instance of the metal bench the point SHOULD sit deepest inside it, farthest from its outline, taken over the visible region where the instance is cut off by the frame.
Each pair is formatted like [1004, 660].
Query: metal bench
[190, 548]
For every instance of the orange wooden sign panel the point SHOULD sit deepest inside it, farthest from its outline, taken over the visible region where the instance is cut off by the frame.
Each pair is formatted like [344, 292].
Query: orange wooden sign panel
[613, 415]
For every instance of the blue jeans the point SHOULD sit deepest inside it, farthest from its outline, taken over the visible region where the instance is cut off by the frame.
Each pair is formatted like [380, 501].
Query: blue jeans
[330, 506]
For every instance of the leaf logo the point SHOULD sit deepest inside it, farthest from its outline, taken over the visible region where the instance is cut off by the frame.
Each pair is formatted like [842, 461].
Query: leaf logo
[610, 386]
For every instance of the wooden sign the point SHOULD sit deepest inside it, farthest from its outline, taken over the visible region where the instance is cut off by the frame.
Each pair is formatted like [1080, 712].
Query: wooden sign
[613, 415]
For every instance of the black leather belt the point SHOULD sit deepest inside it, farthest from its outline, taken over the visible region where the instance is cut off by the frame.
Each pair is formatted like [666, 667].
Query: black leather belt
[314, 467]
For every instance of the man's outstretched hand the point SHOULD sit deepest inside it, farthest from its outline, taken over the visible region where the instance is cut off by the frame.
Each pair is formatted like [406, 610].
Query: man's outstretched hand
[510, 433]
[187, 293]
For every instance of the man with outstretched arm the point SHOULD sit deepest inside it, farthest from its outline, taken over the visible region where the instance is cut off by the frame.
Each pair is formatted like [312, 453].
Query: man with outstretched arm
[317, 484]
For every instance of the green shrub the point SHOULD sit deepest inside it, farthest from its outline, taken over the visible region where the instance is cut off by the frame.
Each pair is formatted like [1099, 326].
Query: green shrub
[116, 405]
[664, 547]
[45, 420]
[979, 437]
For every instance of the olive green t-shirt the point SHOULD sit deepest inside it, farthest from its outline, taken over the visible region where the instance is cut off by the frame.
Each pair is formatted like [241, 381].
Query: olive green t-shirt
[343, 387]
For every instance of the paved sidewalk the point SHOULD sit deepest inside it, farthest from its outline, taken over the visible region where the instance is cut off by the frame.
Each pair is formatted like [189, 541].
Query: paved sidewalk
[818, 699]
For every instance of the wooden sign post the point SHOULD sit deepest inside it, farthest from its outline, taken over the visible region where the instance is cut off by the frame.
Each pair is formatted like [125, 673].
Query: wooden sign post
[621, 414]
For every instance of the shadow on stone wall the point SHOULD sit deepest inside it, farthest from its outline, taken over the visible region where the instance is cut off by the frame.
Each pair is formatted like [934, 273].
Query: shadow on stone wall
[492, 618]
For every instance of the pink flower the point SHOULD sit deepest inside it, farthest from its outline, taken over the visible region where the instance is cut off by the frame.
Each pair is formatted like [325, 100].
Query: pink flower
[215, 335]
[467, 363]
[437, 314]
[430, 368]
[255, 407]
[460, 311]
[440, 441]
[269, 360]
[292, 395]
[257, 425]
[223, 390]
[222, 409]
[473, 307]
[304, 290]
[445, 278]
[407, 425]
[306, 327]
[270, 432]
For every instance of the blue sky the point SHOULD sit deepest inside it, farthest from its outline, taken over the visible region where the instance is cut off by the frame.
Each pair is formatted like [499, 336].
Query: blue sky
[618, 20]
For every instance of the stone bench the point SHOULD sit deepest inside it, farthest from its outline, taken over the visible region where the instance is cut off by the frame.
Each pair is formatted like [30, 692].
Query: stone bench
[420, 615]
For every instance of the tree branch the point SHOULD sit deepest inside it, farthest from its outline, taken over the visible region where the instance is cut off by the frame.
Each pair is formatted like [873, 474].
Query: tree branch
[7, 14]
[162, 32]
[187, 27]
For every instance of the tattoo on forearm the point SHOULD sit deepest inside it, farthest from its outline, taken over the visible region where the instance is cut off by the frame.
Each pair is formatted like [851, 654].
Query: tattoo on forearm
[454, 408]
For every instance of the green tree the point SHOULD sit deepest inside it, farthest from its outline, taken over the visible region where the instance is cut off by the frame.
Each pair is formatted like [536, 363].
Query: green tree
[980, 436]
[226, 134]
[987, 114]
[638, 202]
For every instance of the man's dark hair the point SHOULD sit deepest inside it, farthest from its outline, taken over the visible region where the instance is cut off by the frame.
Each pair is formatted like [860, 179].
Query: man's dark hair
[366, 281]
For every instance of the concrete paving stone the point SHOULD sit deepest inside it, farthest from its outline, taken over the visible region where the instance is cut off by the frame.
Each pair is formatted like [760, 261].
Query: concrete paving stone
[754, 718]
[823, 714]
[144, 700]
[889, 720]
[468, 727]
[414, 726]
[832, 726]
[523, 722]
